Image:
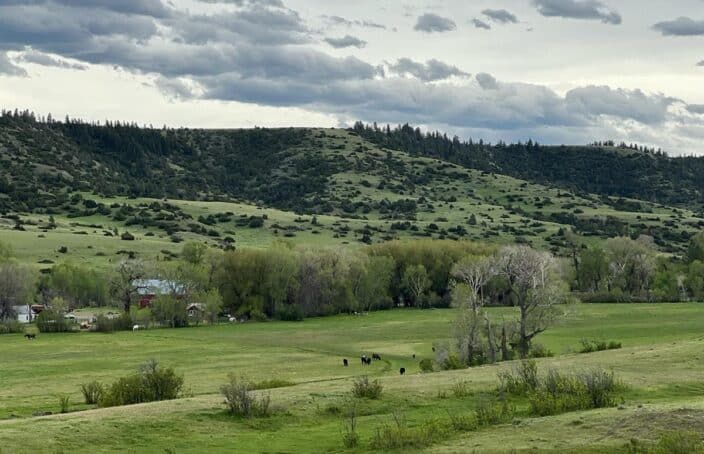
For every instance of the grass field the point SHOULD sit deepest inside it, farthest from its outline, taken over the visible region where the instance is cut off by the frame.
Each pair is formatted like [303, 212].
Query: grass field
[661, 361]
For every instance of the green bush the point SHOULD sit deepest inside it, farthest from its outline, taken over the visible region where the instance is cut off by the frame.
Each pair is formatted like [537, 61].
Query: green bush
[589, 346]
[350, 437]
[363, 387]
[151, 383]
[11, 327]
[677, 442]
[461, 389]
[426, 365]
[453, 362]
[241, 401]
[491, 413]
[50, 321]
[92, 392]
[104, 324]
[398, 435]
[563, 393]
[64, 404]
[539, 351]
[521, 380]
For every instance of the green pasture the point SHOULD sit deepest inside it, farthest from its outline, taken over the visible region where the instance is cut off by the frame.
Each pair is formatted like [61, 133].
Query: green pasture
[661, 361]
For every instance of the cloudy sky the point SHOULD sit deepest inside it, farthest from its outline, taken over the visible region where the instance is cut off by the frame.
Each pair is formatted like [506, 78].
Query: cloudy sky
[559, 71]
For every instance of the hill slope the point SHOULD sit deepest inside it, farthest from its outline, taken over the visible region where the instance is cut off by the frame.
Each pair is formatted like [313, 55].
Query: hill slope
[60, 181]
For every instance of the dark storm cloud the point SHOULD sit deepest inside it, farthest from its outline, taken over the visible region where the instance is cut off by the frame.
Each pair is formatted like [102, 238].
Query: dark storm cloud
[154, 8]
[500, 15]
[257, 24]
[696, 108]
[480, 24]
[682, 26]
[346, 41]
[429, 71]
[701, 63]
[431, 23]
[578, 9]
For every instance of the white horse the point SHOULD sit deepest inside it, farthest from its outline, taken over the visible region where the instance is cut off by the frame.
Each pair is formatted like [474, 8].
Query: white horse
[136, 328]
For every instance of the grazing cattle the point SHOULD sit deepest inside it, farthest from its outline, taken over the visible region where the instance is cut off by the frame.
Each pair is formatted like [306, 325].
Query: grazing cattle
[344, 362]
[376, 356]
[30, 336]
[414, 356]
[433, 348]
[366, 360]
[402, 370]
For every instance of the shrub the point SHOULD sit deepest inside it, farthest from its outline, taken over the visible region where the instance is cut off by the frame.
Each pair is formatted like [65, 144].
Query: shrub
[64, 404]
[104, 324]
[490, 413]
[463, 423]
[150, 383]
[426, 365]
[127, 236]
[241, 401]
[92, 392]
[11, 327]
[589, 346]
[51, 321]
[613, 345]
[677, 442]
[461, 389]
[600, 387]
[350, 437]
[453, 362]
[521, 380]
[539, 351]
[562, 393]
[363, 387]
[398, 435]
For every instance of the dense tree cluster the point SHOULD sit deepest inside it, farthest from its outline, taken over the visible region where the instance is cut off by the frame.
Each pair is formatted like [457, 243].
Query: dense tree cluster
[601, 168]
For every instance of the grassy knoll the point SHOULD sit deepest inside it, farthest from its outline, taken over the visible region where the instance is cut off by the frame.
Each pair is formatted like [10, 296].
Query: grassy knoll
[660, 361]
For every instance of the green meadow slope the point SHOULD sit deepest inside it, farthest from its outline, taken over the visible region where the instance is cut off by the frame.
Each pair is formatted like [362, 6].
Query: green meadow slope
[323, 187]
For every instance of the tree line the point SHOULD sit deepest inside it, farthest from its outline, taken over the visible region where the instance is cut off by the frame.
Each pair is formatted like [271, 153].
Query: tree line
[294, 282]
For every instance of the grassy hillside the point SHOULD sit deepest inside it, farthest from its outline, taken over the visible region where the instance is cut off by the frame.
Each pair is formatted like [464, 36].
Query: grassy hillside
[81, 187]
[660, 361]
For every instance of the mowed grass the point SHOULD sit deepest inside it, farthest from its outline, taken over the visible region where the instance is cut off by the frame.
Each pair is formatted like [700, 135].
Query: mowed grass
[661, 361]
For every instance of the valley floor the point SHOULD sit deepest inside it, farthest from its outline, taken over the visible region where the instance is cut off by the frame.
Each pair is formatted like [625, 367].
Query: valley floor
[661, 362]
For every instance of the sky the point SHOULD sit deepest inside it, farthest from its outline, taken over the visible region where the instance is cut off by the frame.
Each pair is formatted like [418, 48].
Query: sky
[555, 71]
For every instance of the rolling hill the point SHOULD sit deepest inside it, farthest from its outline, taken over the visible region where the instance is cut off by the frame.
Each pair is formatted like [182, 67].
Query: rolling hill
[91, 192]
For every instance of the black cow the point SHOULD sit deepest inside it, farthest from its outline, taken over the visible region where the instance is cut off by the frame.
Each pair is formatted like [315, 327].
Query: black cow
[414, 356]
[402, 370]
[345, 363]
[30, 336]
[364, 359]
[376, 356]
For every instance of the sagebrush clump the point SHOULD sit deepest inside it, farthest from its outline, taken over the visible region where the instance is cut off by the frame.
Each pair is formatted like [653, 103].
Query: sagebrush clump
[242, 401]
[363, 387]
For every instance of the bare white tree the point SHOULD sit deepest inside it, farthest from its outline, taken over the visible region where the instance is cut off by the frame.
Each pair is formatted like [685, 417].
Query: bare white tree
[537, 290]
